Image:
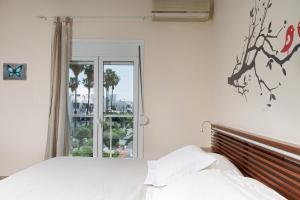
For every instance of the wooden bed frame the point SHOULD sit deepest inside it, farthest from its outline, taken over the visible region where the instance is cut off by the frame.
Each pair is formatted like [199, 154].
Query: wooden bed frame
[272, 162]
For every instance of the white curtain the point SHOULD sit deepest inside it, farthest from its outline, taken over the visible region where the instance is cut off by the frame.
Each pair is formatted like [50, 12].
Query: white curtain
[59, 121]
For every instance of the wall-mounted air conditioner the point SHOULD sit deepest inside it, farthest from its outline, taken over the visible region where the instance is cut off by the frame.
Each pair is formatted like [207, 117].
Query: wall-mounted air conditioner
[182, 10]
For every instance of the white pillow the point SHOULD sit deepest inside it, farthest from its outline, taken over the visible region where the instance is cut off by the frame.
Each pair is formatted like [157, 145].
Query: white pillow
[222, 163]
[177, 164]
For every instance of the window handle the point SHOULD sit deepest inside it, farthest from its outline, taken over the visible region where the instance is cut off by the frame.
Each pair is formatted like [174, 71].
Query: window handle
[144, 120]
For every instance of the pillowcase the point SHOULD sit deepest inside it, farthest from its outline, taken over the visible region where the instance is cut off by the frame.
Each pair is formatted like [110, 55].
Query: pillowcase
[179, 163]
[222, 163]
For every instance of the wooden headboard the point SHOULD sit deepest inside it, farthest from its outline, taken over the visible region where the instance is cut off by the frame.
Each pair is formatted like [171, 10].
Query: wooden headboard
[272, 162]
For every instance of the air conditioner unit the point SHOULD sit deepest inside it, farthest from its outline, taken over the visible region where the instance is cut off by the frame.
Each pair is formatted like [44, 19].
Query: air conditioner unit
[182, 10]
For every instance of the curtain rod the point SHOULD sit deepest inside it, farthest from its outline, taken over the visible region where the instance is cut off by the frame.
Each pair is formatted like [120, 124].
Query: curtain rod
[51, 18]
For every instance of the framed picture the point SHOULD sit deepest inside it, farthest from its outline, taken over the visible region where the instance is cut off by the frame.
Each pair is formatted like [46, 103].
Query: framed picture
[14, 71]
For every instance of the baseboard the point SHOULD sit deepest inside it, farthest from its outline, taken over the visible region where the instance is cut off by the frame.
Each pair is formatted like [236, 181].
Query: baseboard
[3, 177]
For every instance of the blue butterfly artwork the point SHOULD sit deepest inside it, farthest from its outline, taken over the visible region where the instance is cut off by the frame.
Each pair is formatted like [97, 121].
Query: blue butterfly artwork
[13, 71]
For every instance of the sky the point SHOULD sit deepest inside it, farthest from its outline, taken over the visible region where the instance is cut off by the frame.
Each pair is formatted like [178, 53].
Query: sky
[124, 90]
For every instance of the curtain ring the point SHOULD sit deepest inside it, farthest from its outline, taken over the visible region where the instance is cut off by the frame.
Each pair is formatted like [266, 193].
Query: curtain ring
[56, 19]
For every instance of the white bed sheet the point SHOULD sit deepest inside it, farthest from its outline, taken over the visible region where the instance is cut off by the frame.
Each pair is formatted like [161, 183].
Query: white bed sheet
[223, 164]
[71, 178]
[74, 178]
[214, 184]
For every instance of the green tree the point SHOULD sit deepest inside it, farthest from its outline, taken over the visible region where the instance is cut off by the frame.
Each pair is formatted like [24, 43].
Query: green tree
[114, 82]
[73, 84]
[85, 151]
[115, 139]
[89, 142]
[106, 84]
[88, 82]
[76, 68]
[81, 134]
[129, 122]
[120, 132]
[105, 125]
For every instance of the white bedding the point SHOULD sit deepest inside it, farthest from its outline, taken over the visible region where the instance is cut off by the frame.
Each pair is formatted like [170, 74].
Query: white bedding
[214, 184]
[177, 164]
[73, 178]
[223, 164]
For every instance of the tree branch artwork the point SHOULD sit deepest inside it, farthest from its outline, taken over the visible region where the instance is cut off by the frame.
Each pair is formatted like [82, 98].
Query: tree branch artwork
[259, 42]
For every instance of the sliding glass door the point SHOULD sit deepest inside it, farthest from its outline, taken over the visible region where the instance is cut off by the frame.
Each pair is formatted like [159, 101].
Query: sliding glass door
[104, 96]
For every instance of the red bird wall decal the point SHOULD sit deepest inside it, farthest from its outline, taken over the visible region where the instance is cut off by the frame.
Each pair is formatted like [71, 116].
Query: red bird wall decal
[289, 38]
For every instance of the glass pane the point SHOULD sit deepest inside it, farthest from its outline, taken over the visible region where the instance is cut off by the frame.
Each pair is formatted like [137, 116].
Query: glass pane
[81, 94]
[82, 137]
[118, 109]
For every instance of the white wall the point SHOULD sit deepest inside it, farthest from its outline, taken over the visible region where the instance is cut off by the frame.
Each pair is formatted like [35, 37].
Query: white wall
[230, 26]
[177, 74]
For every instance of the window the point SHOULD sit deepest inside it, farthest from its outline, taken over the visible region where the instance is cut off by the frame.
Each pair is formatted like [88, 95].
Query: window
[81, 93]
[118, 109]
[105, 98]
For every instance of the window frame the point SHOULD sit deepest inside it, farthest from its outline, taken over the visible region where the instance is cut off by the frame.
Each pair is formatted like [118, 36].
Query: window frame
[109, 50]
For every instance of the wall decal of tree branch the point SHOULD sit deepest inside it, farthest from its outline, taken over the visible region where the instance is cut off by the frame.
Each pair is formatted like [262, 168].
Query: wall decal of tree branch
[259, 42]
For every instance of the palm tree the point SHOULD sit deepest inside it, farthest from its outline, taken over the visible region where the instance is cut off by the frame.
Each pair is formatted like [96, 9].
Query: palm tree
[73, 85]
[114, 82]
[88, 82]
[76, 68]
[106, 84]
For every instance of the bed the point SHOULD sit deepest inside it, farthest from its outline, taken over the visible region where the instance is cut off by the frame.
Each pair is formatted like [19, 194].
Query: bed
[74, 178]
